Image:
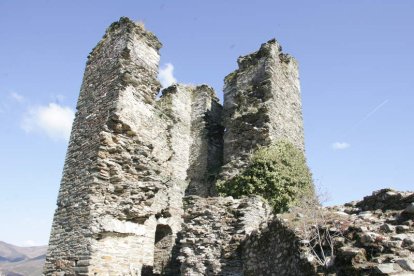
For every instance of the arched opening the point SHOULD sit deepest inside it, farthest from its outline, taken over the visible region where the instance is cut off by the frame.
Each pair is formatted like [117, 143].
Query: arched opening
[162, 249]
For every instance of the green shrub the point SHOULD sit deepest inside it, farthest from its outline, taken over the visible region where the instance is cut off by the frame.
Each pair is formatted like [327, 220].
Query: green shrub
[278, 173]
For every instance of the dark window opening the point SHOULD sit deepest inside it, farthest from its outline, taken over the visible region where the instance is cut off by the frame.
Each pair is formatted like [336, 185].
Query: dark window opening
[162, 249]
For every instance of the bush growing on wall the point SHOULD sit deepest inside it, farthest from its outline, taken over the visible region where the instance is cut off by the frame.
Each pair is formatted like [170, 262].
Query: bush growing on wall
[278, 173]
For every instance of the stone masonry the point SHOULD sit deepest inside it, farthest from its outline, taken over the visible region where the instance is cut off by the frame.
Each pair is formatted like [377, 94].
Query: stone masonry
[138, 186]
[131, 159]
[214, 232]
[138, 196]
[262, 104]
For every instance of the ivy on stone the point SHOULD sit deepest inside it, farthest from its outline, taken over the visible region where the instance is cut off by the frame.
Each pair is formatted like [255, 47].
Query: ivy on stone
[278, 173]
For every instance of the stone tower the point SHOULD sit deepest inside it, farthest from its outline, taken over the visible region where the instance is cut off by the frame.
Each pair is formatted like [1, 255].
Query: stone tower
[131, 159]
[262, 104]
[138, 186]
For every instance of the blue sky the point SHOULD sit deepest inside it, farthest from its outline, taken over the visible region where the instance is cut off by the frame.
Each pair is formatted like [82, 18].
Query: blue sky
[356, 67]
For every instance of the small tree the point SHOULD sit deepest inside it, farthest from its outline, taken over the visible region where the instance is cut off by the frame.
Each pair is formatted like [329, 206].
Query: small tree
[277, 172]
[317, 228]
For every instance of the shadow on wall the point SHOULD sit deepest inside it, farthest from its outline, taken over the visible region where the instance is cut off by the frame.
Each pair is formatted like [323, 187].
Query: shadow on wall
[164, 242]
[204, 185]
[162, 251]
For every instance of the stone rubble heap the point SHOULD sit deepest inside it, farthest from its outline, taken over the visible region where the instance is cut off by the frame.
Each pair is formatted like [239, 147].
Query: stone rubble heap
[378, 238]
[374, 236]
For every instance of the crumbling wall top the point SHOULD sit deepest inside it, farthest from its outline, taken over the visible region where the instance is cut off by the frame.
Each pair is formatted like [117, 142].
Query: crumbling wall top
[174, 88]
[137, 28]
[126, 26]
[267, 49]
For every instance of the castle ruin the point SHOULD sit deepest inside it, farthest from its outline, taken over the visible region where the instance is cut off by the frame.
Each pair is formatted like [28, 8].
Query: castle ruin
[137, 195]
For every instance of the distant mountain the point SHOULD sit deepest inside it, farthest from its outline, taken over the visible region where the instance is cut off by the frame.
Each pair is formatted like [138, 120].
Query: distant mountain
[21, 261]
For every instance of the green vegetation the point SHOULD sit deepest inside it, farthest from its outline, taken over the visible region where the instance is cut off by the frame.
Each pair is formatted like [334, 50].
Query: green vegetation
[278, 173]
[231, 77]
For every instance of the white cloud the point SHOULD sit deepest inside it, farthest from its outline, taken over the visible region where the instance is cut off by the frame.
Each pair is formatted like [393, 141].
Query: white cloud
[54, 120]
[340, 145]
[17, 97]
[166, 75]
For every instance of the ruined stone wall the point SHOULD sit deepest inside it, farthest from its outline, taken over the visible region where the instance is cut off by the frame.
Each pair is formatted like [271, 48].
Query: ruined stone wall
[275, 250]
[126, 171]
[200, 144]
[206, 151]
[131, 188]
[226, 236]
[122, 207]
[262, 104]
[70, 241]
[214, 233]
[132, 158]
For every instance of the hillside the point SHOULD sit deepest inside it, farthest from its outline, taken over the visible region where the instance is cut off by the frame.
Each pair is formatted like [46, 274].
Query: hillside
[16, 260]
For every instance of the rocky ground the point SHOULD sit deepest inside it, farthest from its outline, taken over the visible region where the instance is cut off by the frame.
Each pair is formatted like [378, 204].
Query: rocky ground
[374, 236]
